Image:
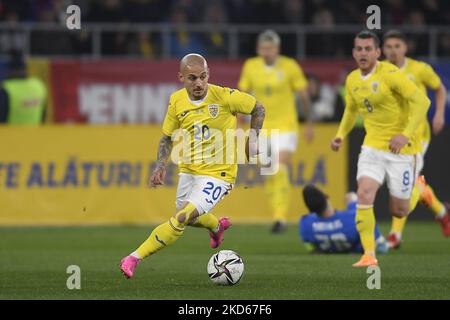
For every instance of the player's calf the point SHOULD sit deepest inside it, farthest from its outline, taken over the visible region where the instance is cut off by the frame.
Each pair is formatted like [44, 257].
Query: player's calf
[399, 207]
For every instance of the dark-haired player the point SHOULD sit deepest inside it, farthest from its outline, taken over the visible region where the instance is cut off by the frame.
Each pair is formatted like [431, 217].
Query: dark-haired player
[423, 75]
[392, 108]
[327, 230]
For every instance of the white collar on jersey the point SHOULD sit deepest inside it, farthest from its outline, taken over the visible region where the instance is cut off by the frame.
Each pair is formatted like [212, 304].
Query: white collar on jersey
[370, 73]
[404, 64]
[198, 102]
[271, 66]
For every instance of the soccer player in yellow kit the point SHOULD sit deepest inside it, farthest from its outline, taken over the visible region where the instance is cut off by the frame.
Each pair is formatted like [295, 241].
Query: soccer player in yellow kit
[205, 113]
[423, 75]
[274, 80]
[392, 107]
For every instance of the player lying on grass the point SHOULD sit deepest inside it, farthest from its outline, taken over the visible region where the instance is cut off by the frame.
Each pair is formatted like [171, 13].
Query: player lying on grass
[327, 230]
[422, 74]
[206, 113]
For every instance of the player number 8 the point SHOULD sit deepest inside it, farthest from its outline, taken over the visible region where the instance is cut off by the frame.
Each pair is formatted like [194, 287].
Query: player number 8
[406, 178]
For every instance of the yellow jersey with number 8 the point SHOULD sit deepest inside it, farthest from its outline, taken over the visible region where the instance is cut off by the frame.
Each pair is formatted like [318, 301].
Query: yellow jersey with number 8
[381, 97]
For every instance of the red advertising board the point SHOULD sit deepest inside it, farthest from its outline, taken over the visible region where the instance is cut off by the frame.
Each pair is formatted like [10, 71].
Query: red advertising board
[137, 91]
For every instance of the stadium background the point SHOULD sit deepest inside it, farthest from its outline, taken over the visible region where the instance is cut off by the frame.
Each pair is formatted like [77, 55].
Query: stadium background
[110, 81]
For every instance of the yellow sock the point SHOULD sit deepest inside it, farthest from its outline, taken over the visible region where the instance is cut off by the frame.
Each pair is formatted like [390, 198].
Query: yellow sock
[278, 188]
[398, 224]
[207, 221]
[365, 224]
[436, 206]
[167, 233]
[414, 200]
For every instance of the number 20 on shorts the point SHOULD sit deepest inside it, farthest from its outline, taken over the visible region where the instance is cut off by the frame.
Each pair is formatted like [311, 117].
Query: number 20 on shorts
[212, 191]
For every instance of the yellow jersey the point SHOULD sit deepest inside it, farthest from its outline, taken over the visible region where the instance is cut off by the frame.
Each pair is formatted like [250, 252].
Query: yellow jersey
[205, 124]
[423, 75]
[275, 87]
[389, 103]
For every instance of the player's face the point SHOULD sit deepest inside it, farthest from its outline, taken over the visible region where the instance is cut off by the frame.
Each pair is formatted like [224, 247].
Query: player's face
[394, 50]
[365, 53]
[195, 80]
[268, 51]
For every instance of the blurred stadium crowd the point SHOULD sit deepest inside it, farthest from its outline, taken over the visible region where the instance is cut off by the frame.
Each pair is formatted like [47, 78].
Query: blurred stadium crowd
[325, 14]
[232, 11]
[173, 28]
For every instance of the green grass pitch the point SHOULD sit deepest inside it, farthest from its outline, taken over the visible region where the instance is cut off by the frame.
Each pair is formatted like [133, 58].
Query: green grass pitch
[34, 261]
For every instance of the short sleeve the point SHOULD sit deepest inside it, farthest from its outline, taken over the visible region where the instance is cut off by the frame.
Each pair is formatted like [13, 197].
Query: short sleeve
[171, 122]
[430, 78]
[240, 102]
[400, 83]
[298, 79]
[244, 83]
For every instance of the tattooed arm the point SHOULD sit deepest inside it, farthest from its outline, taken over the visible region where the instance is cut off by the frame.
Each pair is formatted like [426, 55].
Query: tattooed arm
[258, 114]
[159, 173]
[256, 123]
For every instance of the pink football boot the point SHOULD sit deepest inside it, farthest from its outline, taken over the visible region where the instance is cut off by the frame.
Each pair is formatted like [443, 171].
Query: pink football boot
[217, 237]
[128, 264]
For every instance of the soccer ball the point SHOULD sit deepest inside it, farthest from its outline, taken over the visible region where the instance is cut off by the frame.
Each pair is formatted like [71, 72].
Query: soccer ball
[225, 268]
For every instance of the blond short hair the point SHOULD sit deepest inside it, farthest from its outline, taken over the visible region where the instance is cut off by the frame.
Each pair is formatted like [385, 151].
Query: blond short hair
[269, 36]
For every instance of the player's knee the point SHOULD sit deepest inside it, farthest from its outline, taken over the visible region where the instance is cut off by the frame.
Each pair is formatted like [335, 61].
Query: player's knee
[181, 217]
[365, 195]
[186, 215]
[193, 218]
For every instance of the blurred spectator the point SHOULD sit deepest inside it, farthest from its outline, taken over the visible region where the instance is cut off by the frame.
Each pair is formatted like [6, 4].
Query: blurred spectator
[267, 11]
[396, 11]
[294, 11]
[238, 11]
[444, 45]
[11, 39]
[193, 9]
[430, 9]
[183, 42]
[44, 42]
[142, 45]
[110, 11]
[417, 43]
[139, 11]
[215, 41]
[322, 99]
[322, 43]
[349, 12]
[22, 98]
[107, 11]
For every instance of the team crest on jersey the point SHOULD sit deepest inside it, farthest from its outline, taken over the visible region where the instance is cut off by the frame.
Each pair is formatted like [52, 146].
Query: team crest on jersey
[213, 110]
[375, 85]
